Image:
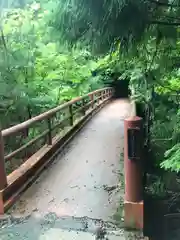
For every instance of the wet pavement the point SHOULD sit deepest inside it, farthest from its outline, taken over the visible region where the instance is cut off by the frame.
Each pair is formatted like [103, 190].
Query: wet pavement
[84, 183]
[52, 227]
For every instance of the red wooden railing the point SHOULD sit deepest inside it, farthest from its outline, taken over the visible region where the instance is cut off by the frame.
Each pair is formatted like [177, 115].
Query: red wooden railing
[88, 104]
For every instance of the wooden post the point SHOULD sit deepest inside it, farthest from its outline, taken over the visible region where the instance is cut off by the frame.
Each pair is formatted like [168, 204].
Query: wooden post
[71, 115]
[95, 99]
[1, 203]
[101, 96]
[83, 103]
[49, 132]
[106, 93]
[92, 100]
[111, 92]
[3, 177]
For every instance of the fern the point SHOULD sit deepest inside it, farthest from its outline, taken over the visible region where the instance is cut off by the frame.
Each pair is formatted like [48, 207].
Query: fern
[172, 159]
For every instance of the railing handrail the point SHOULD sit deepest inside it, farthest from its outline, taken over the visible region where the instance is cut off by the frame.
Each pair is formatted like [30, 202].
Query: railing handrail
[26, 124]
[48, 138]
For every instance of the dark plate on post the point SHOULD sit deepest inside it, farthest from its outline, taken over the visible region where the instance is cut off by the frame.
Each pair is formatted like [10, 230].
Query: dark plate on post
[134, 138]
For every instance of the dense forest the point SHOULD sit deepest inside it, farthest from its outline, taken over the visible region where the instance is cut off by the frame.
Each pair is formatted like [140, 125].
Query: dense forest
[142, 40]
[39, 70]
[52, 51]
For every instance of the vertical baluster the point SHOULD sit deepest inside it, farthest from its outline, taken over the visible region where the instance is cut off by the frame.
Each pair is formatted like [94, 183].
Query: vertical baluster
[83, 104]
[3, 177]
[103, 95]
[100, 96]
[106, 94]
[71, 115]
[92, 99]
[97, 98]
[49, 132]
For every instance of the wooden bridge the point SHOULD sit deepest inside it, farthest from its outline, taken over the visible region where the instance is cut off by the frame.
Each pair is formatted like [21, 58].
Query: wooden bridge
[88, 160]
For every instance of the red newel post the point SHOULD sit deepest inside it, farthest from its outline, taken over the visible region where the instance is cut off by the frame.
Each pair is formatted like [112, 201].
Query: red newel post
[133, 157]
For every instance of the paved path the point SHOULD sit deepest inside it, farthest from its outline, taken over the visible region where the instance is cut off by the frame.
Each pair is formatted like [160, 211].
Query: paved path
[83, 180]
[73, 185]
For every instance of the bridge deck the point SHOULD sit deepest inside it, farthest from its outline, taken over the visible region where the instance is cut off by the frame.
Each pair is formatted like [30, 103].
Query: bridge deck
[74, 184]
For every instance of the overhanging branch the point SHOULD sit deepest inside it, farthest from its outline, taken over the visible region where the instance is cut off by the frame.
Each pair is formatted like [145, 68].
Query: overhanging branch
[165, 23]
[163, 4]
[172, 18]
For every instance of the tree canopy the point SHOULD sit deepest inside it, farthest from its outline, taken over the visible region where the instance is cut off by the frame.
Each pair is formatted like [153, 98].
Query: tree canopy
[142, 38]
[49, 50]
[106, 23]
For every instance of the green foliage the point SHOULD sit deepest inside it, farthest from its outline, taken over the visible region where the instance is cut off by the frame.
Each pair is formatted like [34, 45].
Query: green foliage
[104, 24]
[37, 70]
[49, 53]
[154, 80]
[172, 161]
[171, 151]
